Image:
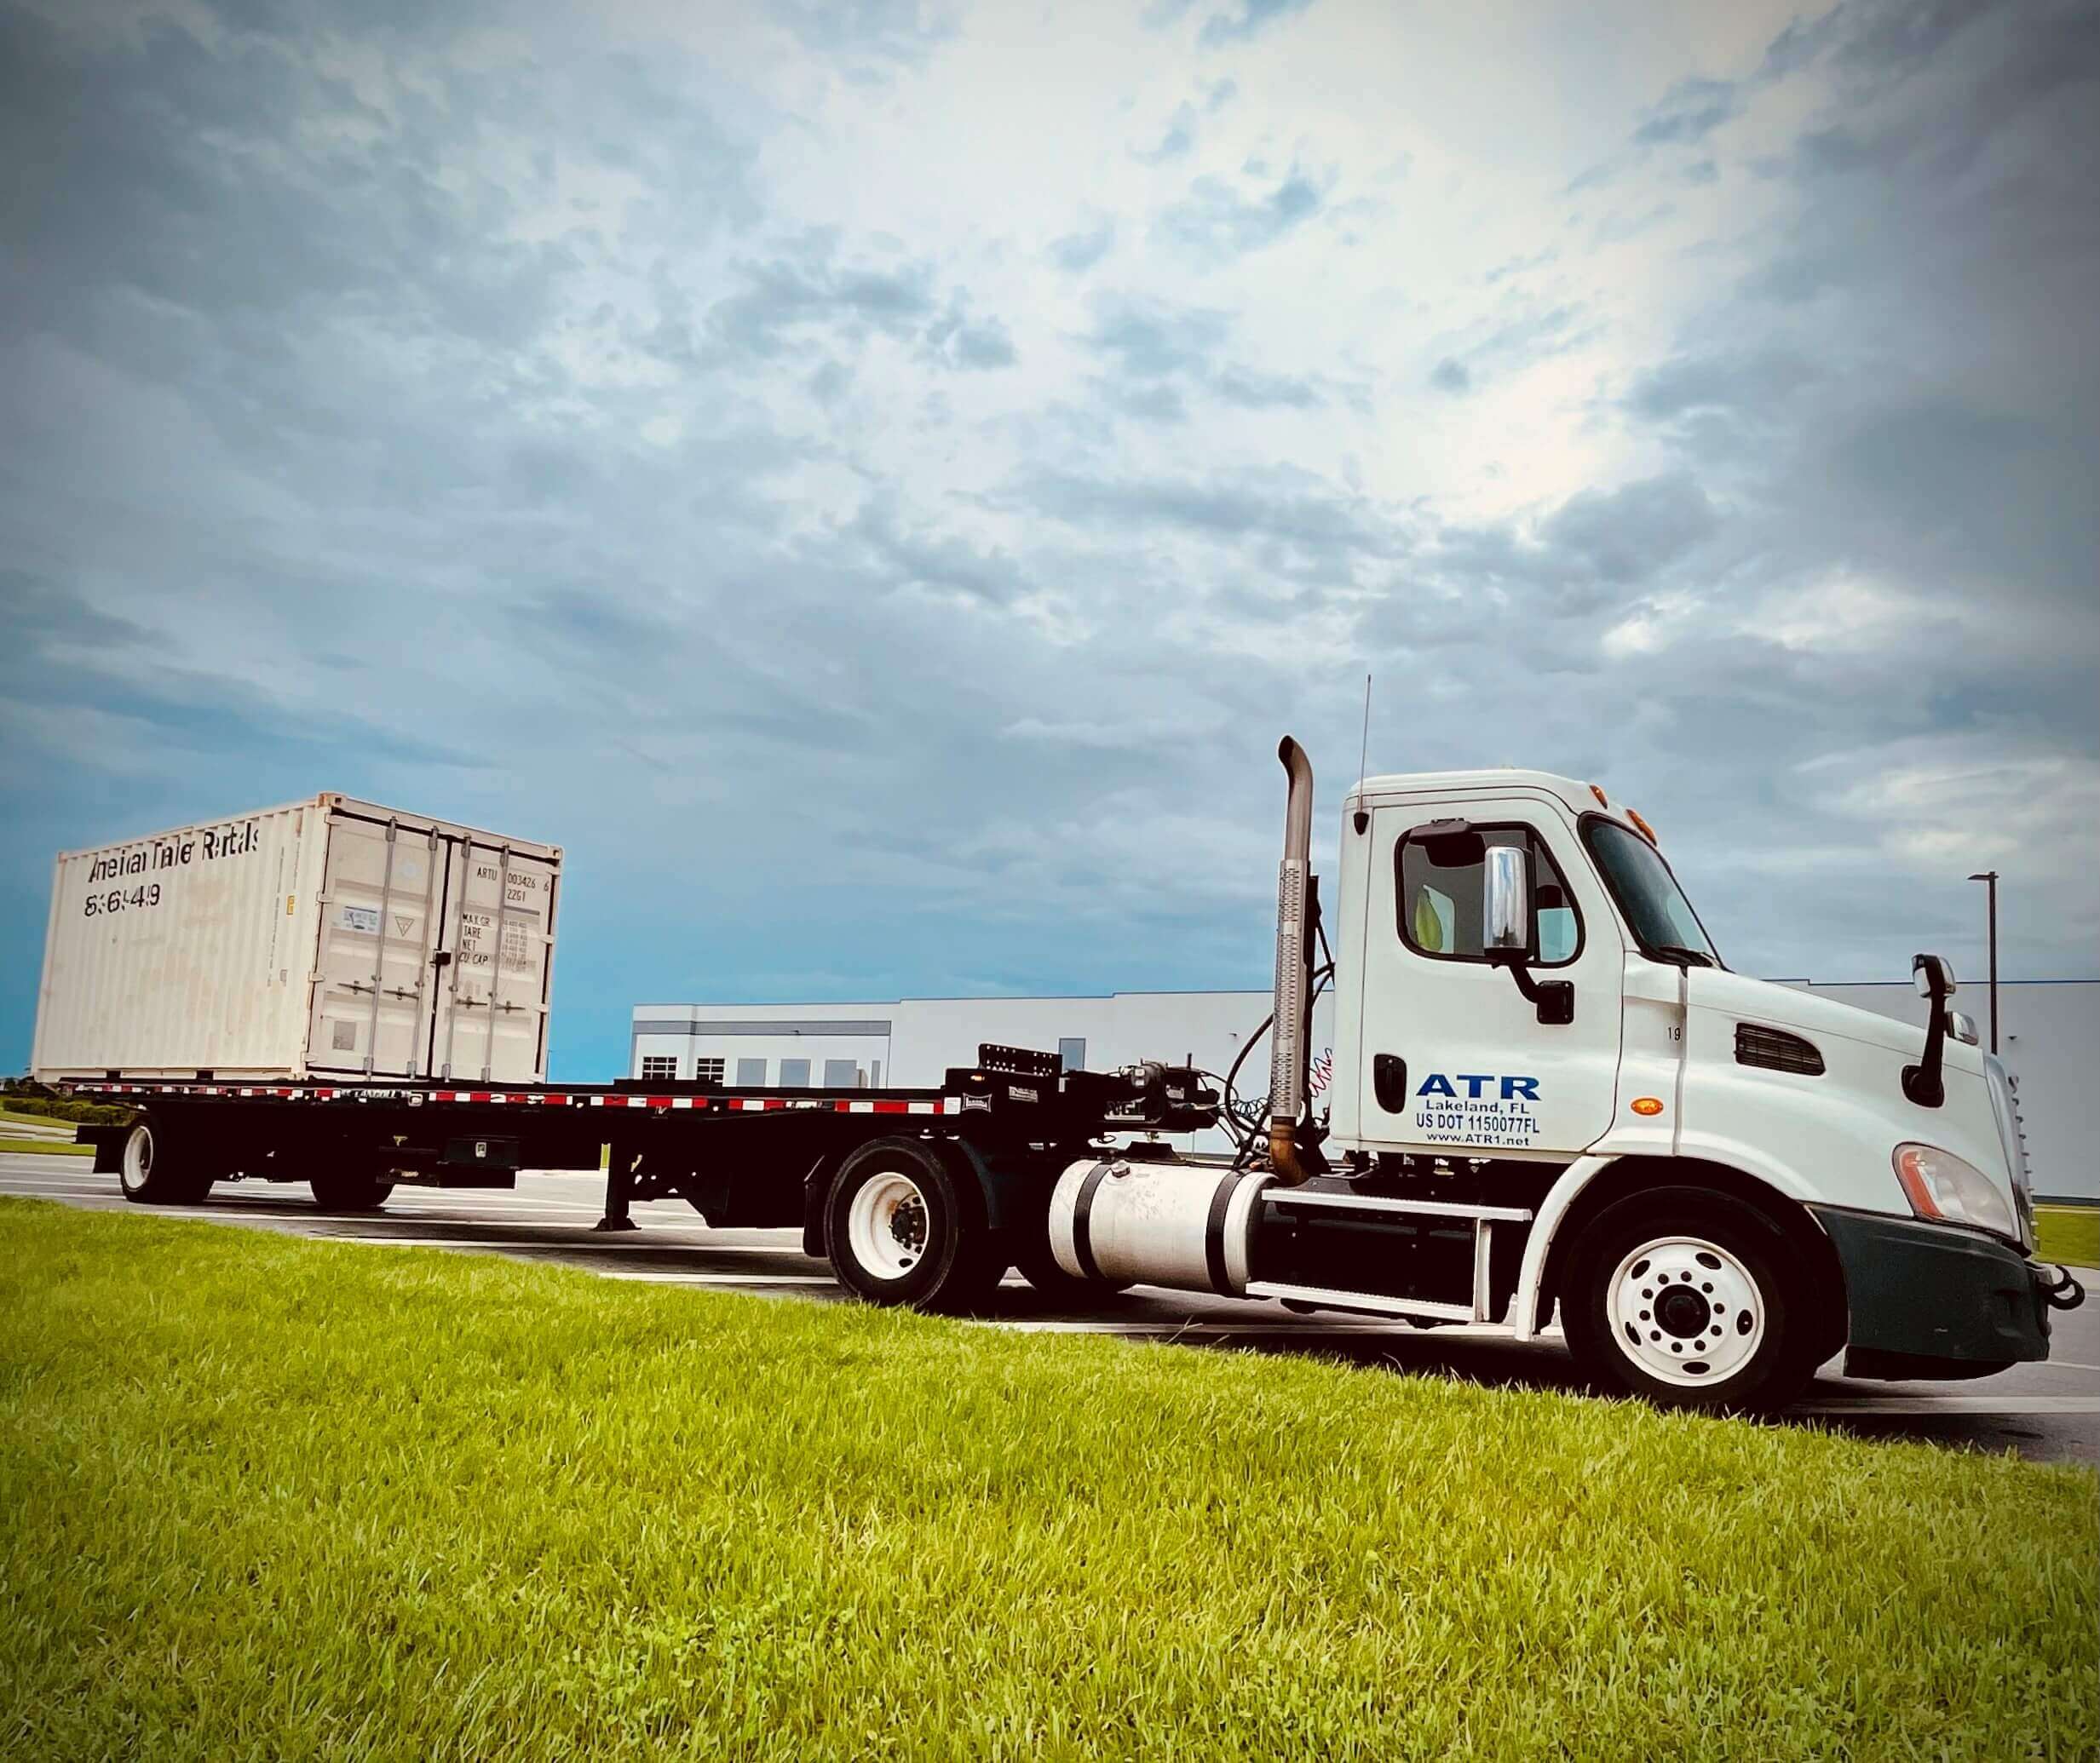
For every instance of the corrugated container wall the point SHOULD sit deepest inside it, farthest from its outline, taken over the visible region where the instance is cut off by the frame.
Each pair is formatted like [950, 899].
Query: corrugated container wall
[329, 938]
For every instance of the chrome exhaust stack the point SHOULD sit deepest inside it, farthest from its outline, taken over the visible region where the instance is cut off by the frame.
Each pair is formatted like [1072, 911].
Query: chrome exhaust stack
[1288, 1063]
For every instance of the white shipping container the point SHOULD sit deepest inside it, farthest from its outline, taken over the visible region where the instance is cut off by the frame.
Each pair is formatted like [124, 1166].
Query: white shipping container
[329, 938]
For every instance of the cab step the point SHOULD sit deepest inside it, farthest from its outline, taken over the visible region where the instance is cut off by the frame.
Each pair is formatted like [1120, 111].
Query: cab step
[1323, 1211]
[1370, 1303]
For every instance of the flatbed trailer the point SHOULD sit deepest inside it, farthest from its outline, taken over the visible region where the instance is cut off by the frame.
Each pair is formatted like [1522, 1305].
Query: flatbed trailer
[993, 1137]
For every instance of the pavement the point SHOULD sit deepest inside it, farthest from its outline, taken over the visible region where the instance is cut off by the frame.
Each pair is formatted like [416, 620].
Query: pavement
[2048, 1413]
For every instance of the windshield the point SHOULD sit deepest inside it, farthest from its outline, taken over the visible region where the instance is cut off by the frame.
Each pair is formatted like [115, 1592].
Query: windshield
[1647, 893]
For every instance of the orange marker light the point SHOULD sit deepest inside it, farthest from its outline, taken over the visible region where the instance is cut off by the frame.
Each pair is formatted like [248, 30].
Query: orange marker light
[1602, 800]
[1642, 828]
[1647, 1105]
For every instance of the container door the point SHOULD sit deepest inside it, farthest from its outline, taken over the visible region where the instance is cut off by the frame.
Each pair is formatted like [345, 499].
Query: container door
[489, 969]
[372, 997]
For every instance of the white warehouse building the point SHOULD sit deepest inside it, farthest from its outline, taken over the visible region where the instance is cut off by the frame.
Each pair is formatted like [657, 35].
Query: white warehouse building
[2049, 1034]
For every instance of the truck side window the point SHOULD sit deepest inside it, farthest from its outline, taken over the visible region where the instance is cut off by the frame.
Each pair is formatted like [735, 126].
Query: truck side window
[1439, 892]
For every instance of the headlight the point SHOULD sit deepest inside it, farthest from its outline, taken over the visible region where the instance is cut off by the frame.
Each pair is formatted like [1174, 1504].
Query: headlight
[1942, 1187]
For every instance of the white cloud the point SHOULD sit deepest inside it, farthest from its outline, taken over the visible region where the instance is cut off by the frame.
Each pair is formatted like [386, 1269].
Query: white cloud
[806, 463]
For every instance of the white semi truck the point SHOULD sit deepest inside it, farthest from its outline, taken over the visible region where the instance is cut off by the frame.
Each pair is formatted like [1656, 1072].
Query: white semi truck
[1549, 1097]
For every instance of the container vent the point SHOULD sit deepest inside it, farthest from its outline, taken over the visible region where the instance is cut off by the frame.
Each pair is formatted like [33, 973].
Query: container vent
[1775, 1050]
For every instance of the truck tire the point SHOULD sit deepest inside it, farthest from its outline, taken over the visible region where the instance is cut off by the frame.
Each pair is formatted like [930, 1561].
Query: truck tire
[153, 1172]
[1034, 1263]
[899, 1228]
[1689, 1299]
[350, 1189]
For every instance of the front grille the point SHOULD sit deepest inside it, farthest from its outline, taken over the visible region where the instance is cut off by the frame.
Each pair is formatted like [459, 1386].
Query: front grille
[2012, 1139]
[1775, 1050]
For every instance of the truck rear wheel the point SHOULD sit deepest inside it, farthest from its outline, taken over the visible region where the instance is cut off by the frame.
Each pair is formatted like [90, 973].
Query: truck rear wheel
[899, 1228]
[1689, 1300]
[1037, 1265]
[153, 1172]
[351, 1189]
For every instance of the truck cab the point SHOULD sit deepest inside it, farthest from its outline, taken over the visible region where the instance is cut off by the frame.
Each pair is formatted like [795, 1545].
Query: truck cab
[1551, 1097]
[1530, 1011]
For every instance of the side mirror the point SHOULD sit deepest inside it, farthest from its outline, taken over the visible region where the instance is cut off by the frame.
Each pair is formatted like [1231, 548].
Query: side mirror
[1924, 1083]
[1505, 932]
[1962, 1027]
[1505, 899]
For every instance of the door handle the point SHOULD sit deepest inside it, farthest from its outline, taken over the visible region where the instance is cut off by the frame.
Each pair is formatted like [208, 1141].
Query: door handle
[1388, 1081]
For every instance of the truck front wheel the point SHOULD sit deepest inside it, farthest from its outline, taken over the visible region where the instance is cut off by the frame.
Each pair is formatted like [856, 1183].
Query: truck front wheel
[899, 1229]
[153, 1172]
[1690, 1299]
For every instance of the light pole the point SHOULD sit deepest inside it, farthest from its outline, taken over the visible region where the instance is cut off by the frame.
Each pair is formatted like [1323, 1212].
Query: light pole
[1989, 878]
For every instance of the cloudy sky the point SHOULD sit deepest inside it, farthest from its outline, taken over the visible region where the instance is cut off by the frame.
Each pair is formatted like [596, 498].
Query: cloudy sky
[874, 481]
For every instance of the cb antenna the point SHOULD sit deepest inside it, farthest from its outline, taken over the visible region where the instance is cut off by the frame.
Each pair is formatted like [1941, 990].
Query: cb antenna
[1363, 757]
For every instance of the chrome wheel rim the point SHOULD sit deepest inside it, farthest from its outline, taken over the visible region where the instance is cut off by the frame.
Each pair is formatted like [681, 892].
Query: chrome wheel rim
[887, 1226]
[1686, 1311]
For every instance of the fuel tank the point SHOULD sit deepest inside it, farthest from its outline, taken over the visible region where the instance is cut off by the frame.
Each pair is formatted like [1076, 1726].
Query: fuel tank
[1181, 1224]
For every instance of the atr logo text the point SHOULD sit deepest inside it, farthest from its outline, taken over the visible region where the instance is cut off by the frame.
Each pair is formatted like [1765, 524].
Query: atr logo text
[1478, 1085]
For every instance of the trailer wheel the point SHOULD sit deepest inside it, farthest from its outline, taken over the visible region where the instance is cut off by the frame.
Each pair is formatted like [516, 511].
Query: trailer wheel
[1690, 1299]
[899, 1229]
[154, 1173]
[351, 1189]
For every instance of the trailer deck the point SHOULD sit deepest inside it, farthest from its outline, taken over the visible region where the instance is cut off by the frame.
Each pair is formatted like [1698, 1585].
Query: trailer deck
[740, 1155]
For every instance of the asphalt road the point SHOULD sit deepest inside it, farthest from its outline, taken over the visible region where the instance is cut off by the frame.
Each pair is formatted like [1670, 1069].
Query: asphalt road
[2049, 1413]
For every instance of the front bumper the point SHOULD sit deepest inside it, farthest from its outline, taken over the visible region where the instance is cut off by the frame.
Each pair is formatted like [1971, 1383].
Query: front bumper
[1926, 1301]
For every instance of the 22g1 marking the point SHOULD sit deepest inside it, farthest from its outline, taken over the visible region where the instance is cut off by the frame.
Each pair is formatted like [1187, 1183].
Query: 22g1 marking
[120, 899]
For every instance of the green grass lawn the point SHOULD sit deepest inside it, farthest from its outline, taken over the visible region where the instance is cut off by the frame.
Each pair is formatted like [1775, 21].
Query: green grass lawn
[2067, 1233]
[266, 1497]
[45, 1147]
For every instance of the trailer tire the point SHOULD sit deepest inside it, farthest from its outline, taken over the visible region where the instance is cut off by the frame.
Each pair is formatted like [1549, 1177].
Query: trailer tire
[350, 1189]
[152, 1172]
[1690, 1299]
[899, 1228]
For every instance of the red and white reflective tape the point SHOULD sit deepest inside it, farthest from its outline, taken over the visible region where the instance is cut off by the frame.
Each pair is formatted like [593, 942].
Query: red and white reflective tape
[539, 1098]
[634, 1101]
[286, 1091]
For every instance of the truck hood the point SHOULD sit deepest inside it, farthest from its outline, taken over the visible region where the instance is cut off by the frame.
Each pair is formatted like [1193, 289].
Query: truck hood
[1761, 1001]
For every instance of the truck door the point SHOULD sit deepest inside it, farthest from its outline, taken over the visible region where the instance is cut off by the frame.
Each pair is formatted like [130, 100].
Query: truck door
[1455, 1058]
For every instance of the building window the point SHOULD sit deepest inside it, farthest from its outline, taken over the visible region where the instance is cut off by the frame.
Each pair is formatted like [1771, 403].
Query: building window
[750, 1074]
[1072, 1053]
[708, 1070]
[663, 1067]
[794, 1074]
[840, 1074]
